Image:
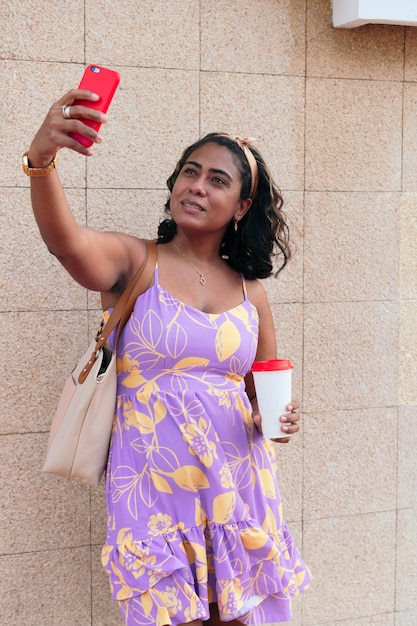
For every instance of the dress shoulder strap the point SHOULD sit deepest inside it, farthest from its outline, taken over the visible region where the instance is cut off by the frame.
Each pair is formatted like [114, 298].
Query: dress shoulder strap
[244, 288]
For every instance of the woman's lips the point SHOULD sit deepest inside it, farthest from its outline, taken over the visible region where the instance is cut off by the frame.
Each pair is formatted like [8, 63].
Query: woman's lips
[190, 205]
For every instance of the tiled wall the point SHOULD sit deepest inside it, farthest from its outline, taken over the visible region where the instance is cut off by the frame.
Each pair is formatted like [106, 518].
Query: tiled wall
[334, 112]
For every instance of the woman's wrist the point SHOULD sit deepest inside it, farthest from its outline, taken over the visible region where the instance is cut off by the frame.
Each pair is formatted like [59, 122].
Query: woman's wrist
[39, 160]
[38, 165]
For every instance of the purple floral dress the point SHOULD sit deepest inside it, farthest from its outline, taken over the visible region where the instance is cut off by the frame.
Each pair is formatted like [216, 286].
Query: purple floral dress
[194, 512]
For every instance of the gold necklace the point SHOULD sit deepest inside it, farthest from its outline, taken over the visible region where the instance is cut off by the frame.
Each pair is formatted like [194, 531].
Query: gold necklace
[202, 280]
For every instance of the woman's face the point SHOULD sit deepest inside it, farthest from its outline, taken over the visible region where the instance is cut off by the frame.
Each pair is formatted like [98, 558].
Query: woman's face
[206, 193]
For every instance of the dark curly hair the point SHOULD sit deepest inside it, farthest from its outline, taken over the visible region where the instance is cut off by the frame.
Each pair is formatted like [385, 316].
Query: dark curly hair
[262, 233]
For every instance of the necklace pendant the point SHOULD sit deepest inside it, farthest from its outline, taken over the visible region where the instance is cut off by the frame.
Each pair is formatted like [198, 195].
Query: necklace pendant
[202, 280]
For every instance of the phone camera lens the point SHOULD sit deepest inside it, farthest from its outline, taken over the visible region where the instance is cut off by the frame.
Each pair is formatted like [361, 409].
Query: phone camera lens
[95, 69]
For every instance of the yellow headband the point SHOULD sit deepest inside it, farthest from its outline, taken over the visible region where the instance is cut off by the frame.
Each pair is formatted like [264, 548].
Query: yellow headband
[244, 145]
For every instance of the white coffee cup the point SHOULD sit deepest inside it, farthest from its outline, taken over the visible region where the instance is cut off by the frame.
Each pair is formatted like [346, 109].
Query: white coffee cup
[273, 391]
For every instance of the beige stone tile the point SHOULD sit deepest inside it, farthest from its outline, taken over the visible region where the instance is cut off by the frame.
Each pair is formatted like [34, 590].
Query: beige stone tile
[288, 320]
[231, 102]
[296, 529]
[352, 560]
[153, 117]
[346, 473]
[39, 511]
[410, 70]
[29, 90]
[290, 473]
[406, 571]
[105, 611]
[95, 316]
[369, 52]
[46, 588]
[133, 211]
[406, 618]
[407, 245]
[98, 514]
[353, 135]
[260, 37]
[28, 32]
[288, 285]
[40, 349]
[407, 467]
[297, 615]
[351, 246]
[94, 304]
[151, 33]
[350, 355]
[410, 138]
[407, 356]
[31, 278]
[383, 619]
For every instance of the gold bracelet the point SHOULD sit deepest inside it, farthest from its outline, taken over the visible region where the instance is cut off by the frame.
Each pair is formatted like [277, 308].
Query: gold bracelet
[38, 172]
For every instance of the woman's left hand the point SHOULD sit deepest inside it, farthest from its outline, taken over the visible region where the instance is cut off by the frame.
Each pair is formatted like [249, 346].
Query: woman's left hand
[289, 421]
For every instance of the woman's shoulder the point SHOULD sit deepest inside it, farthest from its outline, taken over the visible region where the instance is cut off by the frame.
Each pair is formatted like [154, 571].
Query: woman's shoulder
[256, 292]
[257, 295]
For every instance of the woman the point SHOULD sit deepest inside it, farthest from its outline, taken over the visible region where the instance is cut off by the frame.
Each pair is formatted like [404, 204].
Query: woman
[195, 529]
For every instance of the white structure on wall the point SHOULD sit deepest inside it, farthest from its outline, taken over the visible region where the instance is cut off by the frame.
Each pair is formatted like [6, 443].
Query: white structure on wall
[351, 13]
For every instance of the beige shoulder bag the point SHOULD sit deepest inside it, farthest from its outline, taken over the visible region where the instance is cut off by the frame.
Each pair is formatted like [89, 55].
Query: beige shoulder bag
[83, 422]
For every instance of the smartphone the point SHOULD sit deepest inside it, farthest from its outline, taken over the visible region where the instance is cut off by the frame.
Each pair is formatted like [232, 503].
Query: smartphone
[104, 83]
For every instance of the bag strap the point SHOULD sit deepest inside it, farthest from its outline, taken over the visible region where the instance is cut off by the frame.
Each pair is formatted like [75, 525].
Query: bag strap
[136, 287]
[124, 305]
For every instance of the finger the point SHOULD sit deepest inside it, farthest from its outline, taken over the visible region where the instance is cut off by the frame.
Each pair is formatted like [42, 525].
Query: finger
[78, 94]
[257, 421]
[64, 122]
[75, 145]
[78, 126]
[290, 428]
[66, 112]
[79, 111]
[289, 418]
[294, 405]
[59, 137]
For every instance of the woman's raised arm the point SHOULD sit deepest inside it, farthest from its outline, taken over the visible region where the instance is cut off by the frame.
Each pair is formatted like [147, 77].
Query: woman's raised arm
[96, 260]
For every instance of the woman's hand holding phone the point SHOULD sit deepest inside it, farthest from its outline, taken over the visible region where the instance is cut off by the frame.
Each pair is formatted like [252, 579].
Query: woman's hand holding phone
[75, 119]
[102, 82]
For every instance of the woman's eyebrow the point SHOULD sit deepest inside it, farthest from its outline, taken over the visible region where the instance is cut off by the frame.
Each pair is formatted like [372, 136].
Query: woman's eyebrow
[213, 170]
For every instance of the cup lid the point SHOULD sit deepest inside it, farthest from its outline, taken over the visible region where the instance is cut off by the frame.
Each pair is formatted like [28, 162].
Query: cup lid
[271, 365]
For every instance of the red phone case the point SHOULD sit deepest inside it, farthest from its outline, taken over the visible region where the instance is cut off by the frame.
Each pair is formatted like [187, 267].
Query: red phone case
[103, 82]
